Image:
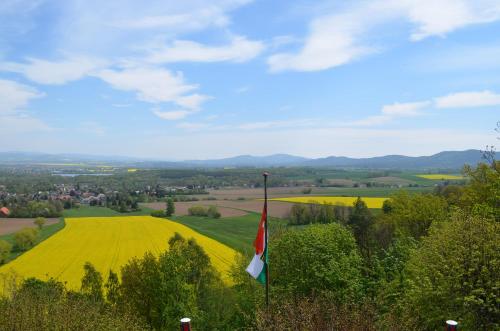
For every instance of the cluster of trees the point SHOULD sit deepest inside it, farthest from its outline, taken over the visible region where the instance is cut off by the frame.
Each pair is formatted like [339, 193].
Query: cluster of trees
[210, 211]
[425, 259]
[24, 208]
[122, 202]
[302, 214]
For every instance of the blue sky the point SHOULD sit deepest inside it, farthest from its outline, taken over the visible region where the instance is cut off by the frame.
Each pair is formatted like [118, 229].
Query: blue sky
[199, 79]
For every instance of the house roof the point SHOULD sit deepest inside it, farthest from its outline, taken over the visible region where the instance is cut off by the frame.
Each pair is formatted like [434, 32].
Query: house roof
[4, 210]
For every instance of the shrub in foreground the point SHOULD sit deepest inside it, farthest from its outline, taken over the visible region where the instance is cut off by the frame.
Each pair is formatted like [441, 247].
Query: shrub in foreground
[318, 259]
[455, 275]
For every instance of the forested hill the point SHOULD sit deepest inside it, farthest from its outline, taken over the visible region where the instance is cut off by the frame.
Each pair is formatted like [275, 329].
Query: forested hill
[442, 160]
[450, 159]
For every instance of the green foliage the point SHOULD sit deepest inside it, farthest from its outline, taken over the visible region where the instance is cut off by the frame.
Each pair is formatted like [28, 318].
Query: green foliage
[5, 249]
[92, 283]
[158, 213]
[482, 195]
[360, 221]
[213, 212]
[455, 275]
[197, 211]
[47, 305]
[301, 214]
[170, 210]
[112, 288]
[25, 238]
[181, 282]
[40, 222]
[412, 215]
[318, 259]
[29, 209]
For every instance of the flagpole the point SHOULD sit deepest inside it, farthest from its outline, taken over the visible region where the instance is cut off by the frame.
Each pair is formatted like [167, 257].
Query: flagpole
[265, 174]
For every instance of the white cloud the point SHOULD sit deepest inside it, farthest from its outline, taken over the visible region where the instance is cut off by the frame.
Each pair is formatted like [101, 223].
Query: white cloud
[468, 99]
[192, 101]
[404, 109]
[54, 72]
[172, 115]
[342, 37]
[332, 41]
[190, 15]
[15, 96]
[240, 49]
[391, 112]
[152, 84]
[114, 26]
[439, 17]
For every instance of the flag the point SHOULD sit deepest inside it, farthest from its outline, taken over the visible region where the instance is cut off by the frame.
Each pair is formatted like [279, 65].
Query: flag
[258, 266]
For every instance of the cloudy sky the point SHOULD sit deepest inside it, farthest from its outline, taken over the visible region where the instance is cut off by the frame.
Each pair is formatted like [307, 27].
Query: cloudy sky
[208, 79]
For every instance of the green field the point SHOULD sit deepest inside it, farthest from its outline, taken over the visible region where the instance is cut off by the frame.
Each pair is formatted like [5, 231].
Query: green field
[92, 211]
[236, 232]
[46, 232]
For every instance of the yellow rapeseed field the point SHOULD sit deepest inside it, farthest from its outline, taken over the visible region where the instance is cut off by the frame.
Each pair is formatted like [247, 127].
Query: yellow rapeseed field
[108, 243]
[440, 176]
[347, 201]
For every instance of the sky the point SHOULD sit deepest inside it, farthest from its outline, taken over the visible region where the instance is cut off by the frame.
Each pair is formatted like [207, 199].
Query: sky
[197, 79]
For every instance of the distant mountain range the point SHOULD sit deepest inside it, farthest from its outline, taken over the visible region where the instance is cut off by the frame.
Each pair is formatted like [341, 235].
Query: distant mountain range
[442, 160]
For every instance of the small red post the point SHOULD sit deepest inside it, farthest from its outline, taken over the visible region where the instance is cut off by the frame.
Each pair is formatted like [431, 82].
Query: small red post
[451, 325]
[185, 324]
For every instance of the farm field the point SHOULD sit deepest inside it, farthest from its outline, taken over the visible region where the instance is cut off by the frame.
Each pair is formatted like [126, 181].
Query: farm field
[10, 225]
[181, 208]
[108, 243]
[236, 232]
[371, 202]
[440, 176]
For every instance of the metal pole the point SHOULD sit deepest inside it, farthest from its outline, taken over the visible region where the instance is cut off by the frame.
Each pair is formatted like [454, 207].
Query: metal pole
[265, 174]
[185, 324]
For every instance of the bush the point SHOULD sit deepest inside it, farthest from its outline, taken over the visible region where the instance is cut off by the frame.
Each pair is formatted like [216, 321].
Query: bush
[5, 248]
[158, 213]
[25, 238]
[40, 222]
[47, 305]
[197, 211]
[213, 212]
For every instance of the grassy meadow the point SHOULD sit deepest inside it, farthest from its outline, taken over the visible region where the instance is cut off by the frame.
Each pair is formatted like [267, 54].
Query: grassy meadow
[236, 232]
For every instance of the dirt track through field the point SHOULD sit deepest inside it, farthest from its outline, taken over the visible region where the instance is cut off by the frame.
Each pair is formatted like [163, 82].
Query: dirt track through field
[11, 225]
[230, 208]
[181, 208]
